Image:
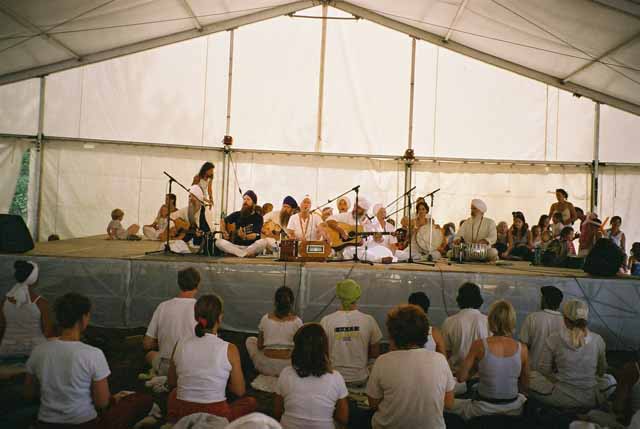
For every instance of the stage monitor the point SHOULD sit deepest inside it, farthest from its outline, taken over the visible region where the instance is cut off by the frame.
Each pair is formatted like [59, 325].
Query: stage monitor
[14, 234]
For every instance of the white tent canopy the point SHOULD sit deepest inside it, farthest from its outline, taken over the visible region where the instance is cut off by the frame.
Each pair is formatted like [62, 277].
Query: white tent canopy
[588, 47]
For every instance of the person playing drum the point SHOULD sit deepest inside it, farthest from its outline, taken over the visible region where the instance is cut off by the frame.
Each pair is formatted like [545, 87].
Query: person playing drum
[479, 229]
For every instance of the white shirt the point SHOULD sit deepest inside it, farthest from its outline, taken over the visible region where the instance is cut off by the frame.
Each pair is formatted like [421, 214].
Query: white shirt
[412, 384]
[350, 333]
[23, 330]
[350, 220]
[535, 330]
[462, 329]
[309, 402]
[278, 333]
[66, 371]
[203, 369]
[305, 229]
[431, 343]
[473, 230]
[273, 216]
[388, 241]
[172, 321]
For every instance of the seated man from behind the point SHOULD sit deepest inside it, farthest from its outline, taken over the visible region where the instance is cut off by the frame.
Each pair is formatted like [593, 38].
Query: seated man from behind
[172, 321]
[435, 342]
[354, 337]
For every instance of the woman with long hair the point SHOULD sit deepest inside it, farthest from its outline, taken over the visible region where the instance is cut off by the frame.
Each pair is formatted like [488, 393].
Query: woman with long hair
[310, 394]
[203, 366]
[519, 238]
[271, 350]
[564, 207]
[204, 179]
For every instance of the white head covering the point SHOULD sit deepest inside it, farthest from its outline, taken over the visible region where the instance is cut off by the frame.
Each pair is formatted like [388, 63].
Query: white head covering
[346, 199]
[479, 204]
[306, 196]
[196, 190]
[364, 203]
[376, 207]
[20, 292]
[254, 421]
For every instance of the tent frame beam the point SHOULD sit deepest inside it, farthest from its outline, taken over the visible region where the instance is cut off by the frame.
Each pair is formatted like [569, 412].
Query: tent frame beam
[187, 7]
[160, 41]
[455, 20]
[452, 45]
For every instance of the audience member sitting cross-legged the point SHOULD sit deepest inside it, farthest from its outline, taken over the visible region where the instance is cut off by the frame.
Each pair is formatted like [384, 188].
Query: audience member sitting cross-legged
[172, 321]
[435, 342]
[271, 351]
[70, 378]
[201, 368]
[571, 370]
[311, 394]
[502, 366]
[409, 387]
[354, 337]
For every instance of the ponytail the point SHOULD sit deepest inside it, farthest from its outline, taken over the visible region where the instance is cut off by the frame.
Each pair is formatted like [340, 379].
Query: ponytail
[207, 311]
[577, 332]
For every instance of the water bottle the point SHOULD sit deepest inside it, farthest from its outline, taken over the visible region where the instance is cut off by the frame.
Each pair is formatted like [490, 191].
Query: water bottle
[275, 249]
[537, 255]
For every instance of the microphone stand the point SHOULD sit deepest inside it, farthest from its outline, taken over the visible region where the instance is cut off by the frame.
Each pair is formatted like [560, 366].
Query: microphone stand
[431, 195]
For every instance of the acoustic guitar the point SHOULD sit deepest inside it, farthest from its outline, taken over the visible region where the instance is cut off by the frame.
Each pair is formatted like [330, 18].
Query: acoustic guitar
[271, 230]
[338, 243]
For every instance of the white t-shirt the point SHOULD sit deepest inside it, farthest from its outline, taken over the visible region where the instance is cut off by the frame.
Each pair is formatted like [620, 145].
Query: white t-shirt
[172, 321]
[536, 328]
[387, 240]
[350, 333]
[273, 216]
[203, 369]
[66, 371]
[278, 334]
[350, 220]
[462, 329]
[412, 384]
[305, 230]
[309, 402]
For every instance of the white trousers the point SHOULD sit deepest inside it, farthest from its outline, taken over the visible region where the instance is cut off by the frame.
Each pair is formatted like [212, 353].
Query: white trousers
[471, 408]
[265, 365]
[151, 233]
[373, 254]
[241, 251]
[562, 396]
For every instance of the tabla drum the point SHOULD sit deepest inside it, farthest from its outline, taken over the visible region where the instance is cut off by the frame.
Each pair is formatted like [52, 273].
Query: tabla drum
[477, 252]
[425, 233]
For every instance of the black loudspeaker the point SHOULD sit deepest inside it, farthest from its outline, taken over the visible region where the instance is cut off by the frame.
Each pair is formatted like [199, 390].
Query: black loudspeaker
[14, 234]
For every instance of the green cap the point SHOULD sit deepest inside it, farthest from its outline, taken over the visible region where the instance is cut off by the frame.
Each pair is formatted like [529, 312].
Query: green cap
[348, 291]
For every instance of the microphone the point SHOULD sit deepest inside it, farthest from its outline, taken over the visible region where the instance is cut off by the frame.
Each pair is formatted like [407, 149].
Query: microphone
[356, 188]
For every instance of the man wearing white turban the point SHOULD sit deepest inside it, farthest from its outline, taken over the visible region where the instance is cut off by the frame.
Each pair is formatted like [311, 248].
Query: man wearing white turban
[479, 229]
[349, 218]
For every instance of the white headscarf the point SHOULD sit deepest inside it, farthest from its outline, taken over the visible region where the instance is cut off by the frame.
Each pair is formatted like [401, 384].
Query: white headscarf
[20, 291]
[346, 199]
[376, 208]
[364, 203]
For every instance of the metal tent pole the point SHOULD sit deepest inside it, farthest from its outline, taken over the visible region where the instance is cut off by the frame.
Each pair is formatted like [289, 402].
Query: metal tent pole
[595, 167]
[34, 220]
[323, 54]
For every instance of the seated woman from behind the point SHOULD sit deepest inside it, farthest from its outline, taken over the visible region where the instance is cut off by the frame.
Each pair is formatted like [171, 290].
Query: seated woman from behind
[70, 378]
[25, 320]
[435, 341]
[571, 371]
[502, 365]
[310, 394]
[203, 366]
[271, 351]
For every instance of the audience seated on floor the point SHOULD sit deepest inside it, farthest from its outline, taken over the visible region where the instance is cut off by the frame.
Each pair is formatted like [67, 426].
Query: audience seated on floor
[70, 377]
[539, 325]
[25, 320]
[271, 351]
[435, 342]
[627, 399]
[354, 337]
[571, 370]
[202, 366]
[502, 366]
[466, 326]
[172, 321]
[310, 394]
[409, 387]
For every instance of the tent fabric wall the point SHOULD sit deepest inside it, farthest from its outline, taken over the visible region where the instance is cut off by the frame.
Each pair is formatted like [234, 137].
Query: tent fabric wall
[619, 197]
[11, 152]
[19, 107]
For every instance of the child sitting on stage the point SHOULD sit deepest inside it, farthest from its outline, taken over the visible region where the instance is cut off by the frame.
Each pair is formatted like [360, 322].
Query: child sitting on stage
[557, 226]
[117, 232]
[156, 231]
[271, 351]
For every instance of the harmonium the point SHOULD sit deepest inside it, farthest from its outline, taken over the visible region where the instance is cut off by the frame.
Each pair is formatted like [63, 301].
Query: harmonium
[304, 251]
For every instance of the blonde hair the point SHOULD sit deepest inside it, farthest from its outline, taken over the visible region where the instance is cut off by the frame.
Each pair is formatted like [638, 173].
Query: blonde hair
[502, 318]
[116, 214]
[575, 314]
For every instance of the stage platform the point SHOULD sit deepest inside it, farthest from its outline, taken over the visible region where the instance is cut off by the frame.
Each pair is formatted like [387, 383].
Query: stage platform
[125, 285]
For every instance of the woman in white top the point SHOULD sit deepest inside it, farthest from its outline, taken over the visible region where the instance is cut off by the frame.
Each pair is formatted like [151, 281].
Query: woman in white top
[156, 231]
[571, 371]
[502, 366]
[435, 340]
[203, 366]
[25, 320]
[309, 394]
[271, 351]
[564, 207]
[204, 179]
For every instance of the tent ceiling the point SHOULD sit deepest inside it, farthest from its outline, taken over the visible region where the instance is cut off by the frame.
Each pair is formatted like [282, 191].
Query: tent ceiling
[589, 47]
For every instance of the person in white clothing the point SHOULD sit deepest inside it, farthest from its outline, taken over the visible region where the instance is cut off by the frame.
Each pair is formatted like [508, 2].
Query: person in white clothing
[275, 223]
[409, 387]
[305, 226]
[25, 320]
[466, 326]
[435, 341]
[271, 351]
[479, 229]
[343, 204]
[204, 179]
[538, 326]
[203, 366]
[354, 337]
[70, 377]
[172, 321]
[310, 394]
[195, 214]
[571, 372]
[158, 229]
[380, 224]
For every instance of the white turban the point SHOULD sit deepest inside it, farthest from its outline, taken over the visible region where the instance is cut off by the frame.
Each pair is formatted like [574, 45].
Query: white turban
[345, 199]
[376, 208]
[196, 190]
[364, 203]
[306, 197]
[479, 204]
[20, 291]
